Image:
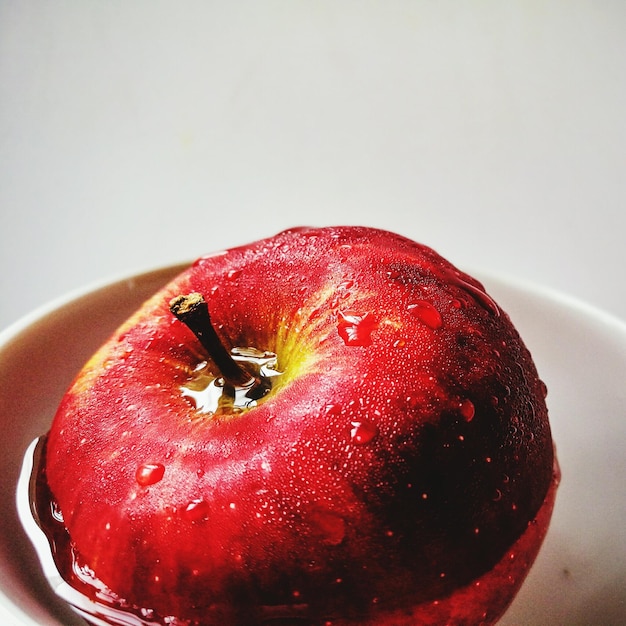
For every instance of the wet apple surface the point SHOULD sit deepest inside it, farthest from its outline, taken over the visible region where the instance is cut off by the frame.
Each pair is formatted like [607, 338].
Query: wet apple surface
[394, 450]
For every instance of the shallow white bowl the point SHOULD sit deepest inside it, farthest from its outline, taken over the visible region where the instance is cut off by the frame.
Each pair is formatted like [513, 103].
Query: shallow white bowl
[580, 575]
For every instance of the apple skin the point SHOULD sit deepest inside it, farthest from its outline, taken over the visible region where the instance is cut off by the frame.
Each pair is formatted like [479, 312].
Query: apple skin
[401, 453]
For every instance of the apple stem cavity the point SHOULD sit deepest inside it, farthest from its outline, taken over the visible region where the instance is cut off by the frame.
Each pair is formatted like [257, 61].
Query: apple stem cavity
[193, 311]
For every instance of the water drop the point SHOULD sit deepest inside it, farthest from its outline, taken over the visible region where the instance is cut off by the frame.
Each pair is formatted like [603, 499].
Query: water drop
[196, 510]
[467, 409]
[363, 432]
[356, 328]
[426, 313]
[149, 473]
[233, 274]
[472, 287]
[393, 274]
[332, 409]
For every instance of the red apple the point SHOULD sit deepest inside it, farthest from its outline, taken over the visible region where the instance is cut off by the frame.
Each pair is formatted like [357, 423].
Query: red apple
[383, 469]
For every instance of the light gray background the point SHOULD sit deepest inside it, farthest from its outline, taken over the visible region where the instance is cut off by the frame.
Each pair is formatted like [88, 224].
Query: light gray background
[136, 134]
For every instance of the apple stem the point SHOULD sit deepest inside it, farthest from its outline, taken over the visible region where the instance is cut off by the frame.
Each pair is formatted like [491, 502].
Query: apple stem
[193, 311]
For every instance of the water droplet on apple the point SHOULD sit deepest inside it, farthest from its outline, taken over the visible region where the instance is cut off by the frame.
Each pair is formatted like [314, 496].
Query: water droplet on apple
[473, 288]
[196, 510]
[233, 274]
[467, 409]
[426, 313]
[344, 252]
[332, 409]
[393, 274]
[149, 473]
[356, 328]
[363, 431]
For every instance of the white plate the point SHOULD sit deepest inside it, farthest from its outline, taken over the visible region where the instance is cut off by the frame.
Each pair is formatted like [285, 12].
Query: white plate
[580, 575]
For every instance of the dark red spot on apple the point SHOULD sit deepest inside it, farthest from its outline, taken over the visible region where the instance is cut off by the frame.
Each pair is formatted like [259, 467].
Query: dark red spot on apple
[329, 525]
[426, 313]
[149, 473]
[356, 328]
